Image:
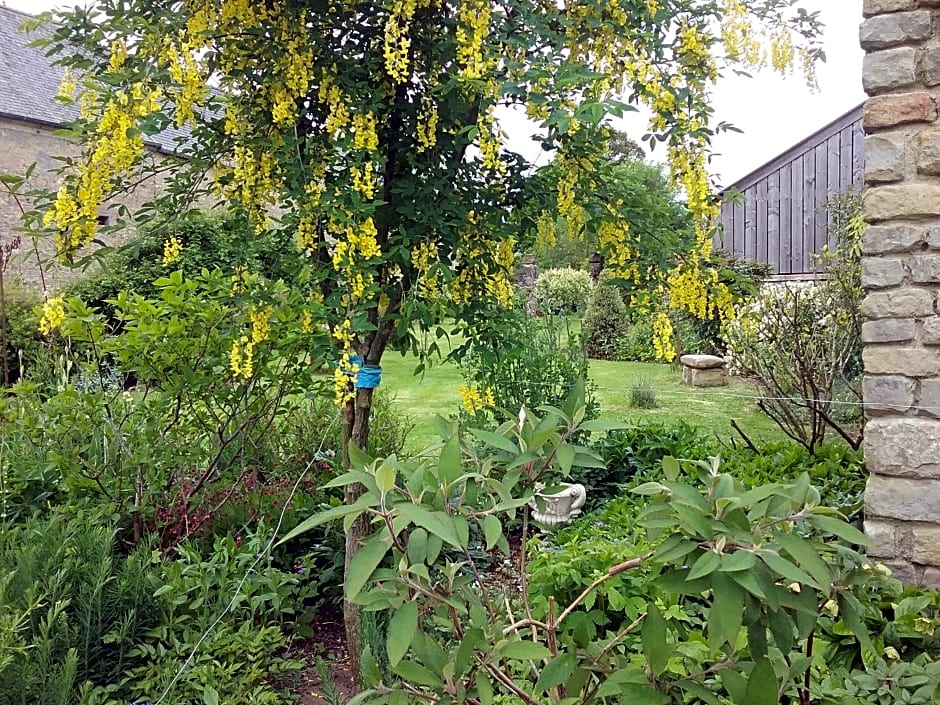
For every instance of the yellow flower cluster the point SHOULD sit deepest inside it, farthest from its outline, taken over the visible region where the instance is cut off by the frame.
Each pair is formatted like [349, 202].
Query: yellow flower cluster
[483, 268]
[113, 148]
[397, 45]
[241, 358]
[475, 399]
[53, 315]
[663, 337]
[67, 87]
[427, 124]
[490, 143]
[172, 248]
[184, 70]
[473, 24]
[344, 376]
[355, 246]
[363, 180]
[545, 231]
[423, 258]
[365, 136]
[260, 324]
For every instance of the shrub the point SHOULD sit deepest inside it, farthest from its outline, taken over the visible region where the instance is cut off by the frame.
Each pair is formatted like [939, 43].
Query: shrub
[643, 395]
[562, 291]
[802, 344]
[27, 354]
[604, 322]
[523, 361]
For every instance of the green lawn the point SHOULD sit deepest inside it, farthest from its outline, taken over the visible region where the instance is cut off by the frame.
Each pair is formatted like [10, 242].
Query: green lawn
[435, 392]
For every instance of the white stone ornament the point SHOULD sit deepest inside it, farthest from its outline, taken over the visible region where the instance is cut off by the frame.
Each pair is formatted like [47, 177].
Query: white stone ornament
[559, 507]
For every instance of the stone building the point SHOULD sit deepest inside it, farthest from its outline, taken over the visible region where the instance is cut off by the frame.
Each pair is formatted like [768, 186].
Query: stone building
[29, 118]
[901, 275]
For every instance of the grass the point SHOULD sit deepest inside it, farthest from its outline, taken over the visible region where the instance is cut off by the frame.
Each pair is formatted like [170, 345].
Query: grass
[435, 392]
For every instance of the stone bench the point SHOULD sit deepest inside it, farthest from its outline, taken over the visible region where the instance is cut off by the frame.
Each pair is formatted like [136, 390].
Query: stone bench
[704, 371]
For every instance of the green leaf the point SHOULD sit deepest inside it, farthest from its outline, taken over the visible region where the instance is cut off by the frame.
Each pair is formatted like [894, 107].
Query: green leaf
[593, 425]
[852, 613]
[492, 530]
[495, 440]
[671, 468]
[363, 564]
[726, 612]
[739, 560]
[734, 683]
[526, 650]
[565, 455]
[437, 523]
[417, 674]
[451, 464]
[210, 696]
[556, 672]
[418, 545]
[401, 630]
[484, 689]
[385, 478]
[762, 684]
[358, 458]
[808, 558]
[786, 569]
[706, 564]
[840, 528]
[649, 488]
[655, 648]
[326, 516]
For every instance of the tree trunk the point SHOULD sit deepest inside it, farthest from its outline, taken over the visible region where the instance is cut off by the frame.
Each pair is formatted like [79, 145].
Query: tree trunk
[356, 415]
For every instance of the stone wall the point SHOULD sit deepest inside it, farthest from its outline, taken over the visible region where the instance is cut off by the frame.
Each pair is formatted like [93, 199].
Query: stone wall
[901, 275]
[21, 144]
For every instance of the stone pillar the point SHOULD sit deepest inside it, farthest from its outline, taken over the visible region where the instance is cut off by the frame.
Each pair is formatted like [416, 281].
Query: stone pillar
[901, 276]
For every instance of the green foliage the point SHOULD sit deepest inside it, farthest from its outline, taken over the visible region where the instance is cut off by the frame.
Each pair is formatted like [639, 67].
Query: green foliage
[71, 607]
[562, 291]
[26, 355]
[209, 240]
[802, 344]
[604, 322]
[643, 395]
[525, 361]
[704, 589]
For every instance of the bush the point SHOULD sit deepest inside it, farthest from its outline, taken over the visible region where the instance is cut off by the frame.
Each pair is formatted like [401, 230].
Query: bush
[27, 354]
[643, 395]
[604, 322]
[562, 291]
[802, 344]
[524, 361]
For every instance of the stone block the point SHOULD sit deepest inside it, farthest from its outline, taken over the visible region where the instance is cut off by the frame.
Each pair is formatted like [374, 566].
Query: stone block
[902, 498]
[931, 578]
[894, 360]
[930, 333]
[702, 362]
[884, 158]
[888, 330]
[881, 272]
[715, 377]
[904, 446]
[903, 571]
[926, 545]
[892, 237]
[888, 393]
[929, 399]
[905, 200]
[884, 31]
[925, 269]
[905, 302]
[889, 70]
[881, 7]
[882, 535]
[928, 152]
[932, 65]
[898, 109]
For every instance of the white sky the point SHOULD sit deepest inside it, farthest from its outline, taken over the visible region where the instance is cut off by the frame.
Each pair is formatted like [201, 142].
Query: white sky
[773, 112]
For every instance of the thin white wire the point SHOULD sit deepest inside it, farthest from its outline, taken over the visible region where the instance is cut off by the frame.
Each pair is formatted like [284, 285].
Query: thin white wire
[316, 457]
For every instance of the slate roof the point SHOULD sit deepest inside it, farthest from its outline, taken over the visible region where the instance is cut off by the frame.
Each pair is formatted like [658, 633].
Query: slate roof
[29, 82]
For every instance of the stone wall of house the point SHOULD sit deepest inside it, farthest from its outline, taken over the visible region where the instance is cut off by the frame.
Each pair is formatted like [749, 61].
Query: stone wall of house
[901, 275]
[21, 144]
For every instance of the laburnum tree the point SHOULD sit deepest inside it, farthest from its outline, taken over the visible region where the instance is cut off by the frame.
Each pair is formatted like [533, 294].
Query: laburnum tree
[367, 131]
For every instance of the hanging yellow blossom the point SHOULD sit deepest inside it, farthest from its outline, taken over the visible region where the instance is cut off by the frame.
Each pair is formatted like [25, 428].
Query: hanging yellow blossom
[53, 315]
[474, 399]
[172, 249]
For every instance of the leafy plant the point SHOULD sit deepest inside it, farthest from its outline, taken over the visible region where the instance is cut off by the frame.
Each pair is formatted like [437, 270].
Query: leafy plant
[604, 322]
[643, 395]
[562, 291]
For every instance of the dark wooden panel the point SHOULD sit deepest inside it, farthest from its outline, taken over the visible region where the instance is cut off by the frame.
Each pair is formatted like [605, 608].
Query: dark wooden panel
[796, 216]
[773, 220]
[761, 234]
[821, 198]
[846, 176]
[809, 216]
[785, 236]
[750, 224]
[740, 232]
[858, 155]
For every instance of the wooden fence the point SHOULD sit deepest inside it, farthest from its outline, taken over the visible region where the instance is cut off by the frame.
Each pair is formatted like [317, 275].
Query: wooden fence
[779, 215]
